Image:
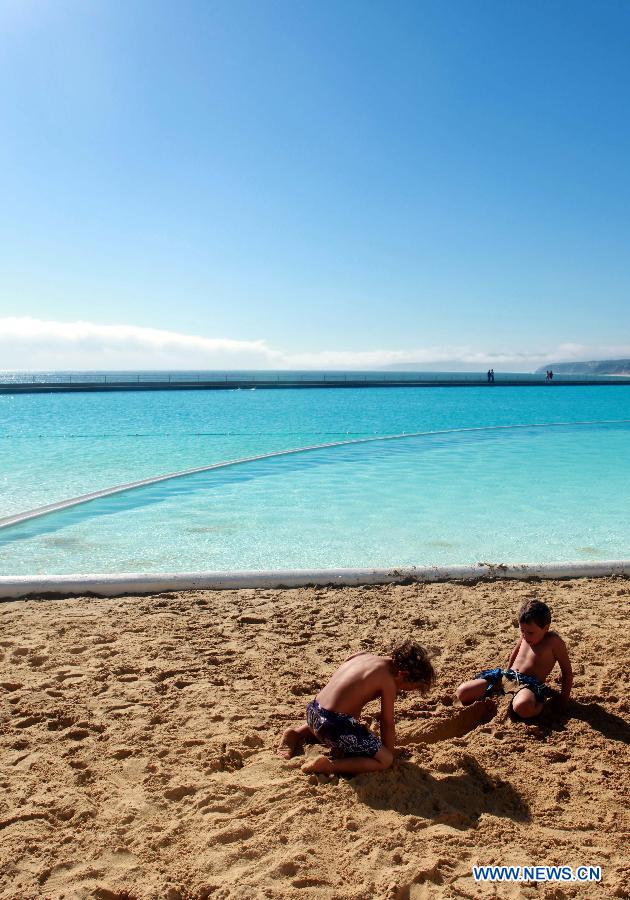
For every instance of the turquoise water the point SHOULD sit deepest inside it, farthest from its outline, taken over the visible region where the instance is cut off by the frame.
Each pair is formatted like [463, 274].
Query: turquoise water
[535, 494]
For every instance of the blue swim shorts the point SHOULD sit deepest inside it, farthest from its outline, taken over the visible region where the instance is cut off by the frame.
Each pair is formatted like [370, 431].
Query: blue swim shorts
[494, 677]
[341, 732]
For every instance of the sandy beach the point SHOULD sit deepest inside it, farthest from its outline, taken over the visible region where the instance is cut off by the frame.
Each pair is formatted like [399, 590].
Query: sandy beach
[138, 739]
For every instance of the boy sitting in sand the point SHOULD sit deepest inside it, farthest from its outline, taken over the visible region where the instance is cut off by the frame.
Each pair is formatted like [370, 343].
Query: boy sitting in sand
[331, 716]
[529, 665]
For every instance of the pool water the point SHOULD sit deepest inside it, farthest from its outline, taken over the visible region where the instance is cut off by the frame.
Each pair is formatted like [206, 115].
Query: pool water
[541, 493]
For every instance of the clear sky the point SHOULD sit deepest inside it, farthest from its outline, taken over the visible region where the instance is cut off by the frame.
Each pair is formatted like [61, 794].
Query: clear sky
[232, 183]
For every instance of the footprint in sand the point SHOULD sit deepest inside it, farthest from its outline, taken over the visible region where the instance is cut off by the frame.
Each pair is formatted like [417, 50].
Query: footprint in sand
[37, 660]
[427, 876]
[76, 734]
[240, 833]
[309, 883]
[67, 675]
[104, 639]
[29, 721]
[179, 792]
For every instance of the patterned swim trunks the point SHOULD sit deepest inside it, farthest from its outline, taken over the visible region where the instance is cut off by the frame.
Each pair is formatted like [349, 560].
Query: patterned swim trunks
[341, 732]
[495, 677]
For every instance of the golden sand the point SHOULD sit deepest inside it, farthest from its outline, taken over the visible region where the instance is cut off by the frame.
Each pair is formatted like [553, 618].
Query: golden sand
[138, 735]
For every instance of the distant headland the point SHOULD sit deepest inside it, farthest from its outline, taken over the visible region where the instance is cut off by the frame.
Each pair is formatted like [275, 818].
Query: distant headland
[594, 367]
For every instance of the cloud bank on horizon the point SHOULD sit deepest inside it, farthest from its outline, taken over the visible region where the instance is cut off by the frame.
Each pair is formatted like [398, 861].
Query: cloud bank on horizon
[32, 344]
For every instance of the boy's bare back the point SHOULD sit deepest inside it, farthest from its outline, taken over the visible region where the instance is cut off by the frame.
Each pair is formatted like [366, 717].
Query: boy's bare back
[361, 678]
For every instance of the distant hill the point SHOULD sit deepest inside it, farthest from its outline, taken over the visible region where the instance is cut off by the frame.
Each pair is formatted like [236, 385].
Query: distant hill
[594, 367]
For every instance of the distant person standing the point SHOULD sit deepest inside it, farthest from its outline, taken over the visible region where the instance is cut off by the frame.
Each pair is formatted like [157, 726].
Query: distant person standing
[492, 375]
[489, 374]
[550, 375]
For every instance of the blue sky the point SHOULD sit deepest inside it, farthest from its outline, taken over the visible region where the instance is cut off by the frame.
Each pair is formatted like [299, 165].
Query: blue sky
[300, 184]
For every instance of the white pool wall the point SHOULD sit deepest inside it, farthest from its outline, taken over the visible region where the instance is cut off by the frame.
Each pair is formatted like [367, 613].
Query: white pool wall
[13, 588]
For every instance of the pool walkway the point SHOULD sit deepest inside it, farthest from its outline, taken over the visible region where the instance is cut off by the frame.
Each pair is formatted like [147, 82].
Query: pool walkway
[226, 382]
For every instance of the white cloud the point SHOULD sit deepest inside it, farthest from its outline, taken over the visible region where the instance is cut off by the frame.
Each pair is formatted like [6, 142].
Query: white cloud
[37, 344]
[27, 343]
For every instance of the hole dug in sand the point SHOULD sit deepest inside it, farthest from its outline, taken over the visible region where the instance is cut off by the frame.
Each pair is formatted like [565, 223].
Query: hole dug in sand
[453, 726]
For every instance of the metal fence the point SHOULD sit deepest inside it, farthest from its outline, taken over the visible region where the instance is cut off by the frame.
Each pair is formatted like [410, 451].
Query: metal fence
[304, 378]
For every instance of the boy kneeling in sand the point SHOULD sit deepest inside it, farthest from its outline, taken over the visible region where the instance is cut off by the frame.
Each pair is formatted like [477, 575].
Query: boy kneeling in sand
[529, 666]
[331, 716]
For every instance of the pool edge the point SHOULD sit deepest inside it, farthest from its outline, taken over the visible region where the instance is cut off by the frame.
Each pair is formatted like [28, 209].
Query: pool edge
[104, 585]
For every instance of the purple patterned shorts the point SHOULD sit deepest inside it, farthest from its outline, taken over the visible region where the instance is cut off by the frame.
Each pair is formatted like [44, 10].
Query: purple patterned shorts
[341, 732]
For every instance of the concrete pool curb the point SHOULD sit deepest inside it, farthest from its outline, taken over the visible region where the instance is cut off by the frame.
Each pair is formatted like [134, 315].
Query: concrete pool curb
[17, 587]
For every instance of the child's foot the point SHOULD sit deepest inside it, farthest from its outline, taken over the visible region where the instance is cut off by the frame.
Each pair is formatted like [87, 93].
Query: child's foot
[320, 765]
[290, 744]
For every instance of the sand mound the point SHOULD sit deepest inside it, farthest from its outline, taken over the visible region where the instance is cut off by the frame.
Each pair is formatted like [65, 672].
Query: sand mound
[137, 740]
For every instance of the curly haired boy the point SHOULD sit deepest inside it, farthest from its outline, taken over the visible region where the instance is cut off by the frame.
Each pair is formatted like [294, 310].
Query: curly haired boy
[331, 718]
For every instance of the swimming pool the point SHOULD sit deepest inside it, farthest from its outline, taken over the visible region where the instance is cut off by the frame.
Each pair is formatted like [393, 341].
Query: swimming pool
[541, 493]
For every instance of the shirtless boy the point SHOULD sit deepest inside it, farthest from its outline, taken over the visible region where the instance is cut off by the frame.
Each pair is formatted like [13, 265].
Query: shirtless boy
[331, 718]
[529, 665]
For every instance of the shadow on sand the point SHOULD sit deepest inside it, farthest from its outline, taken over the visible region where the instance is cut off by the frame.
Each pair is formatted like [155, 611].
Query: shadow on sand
[611, 726]
[457, 800]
